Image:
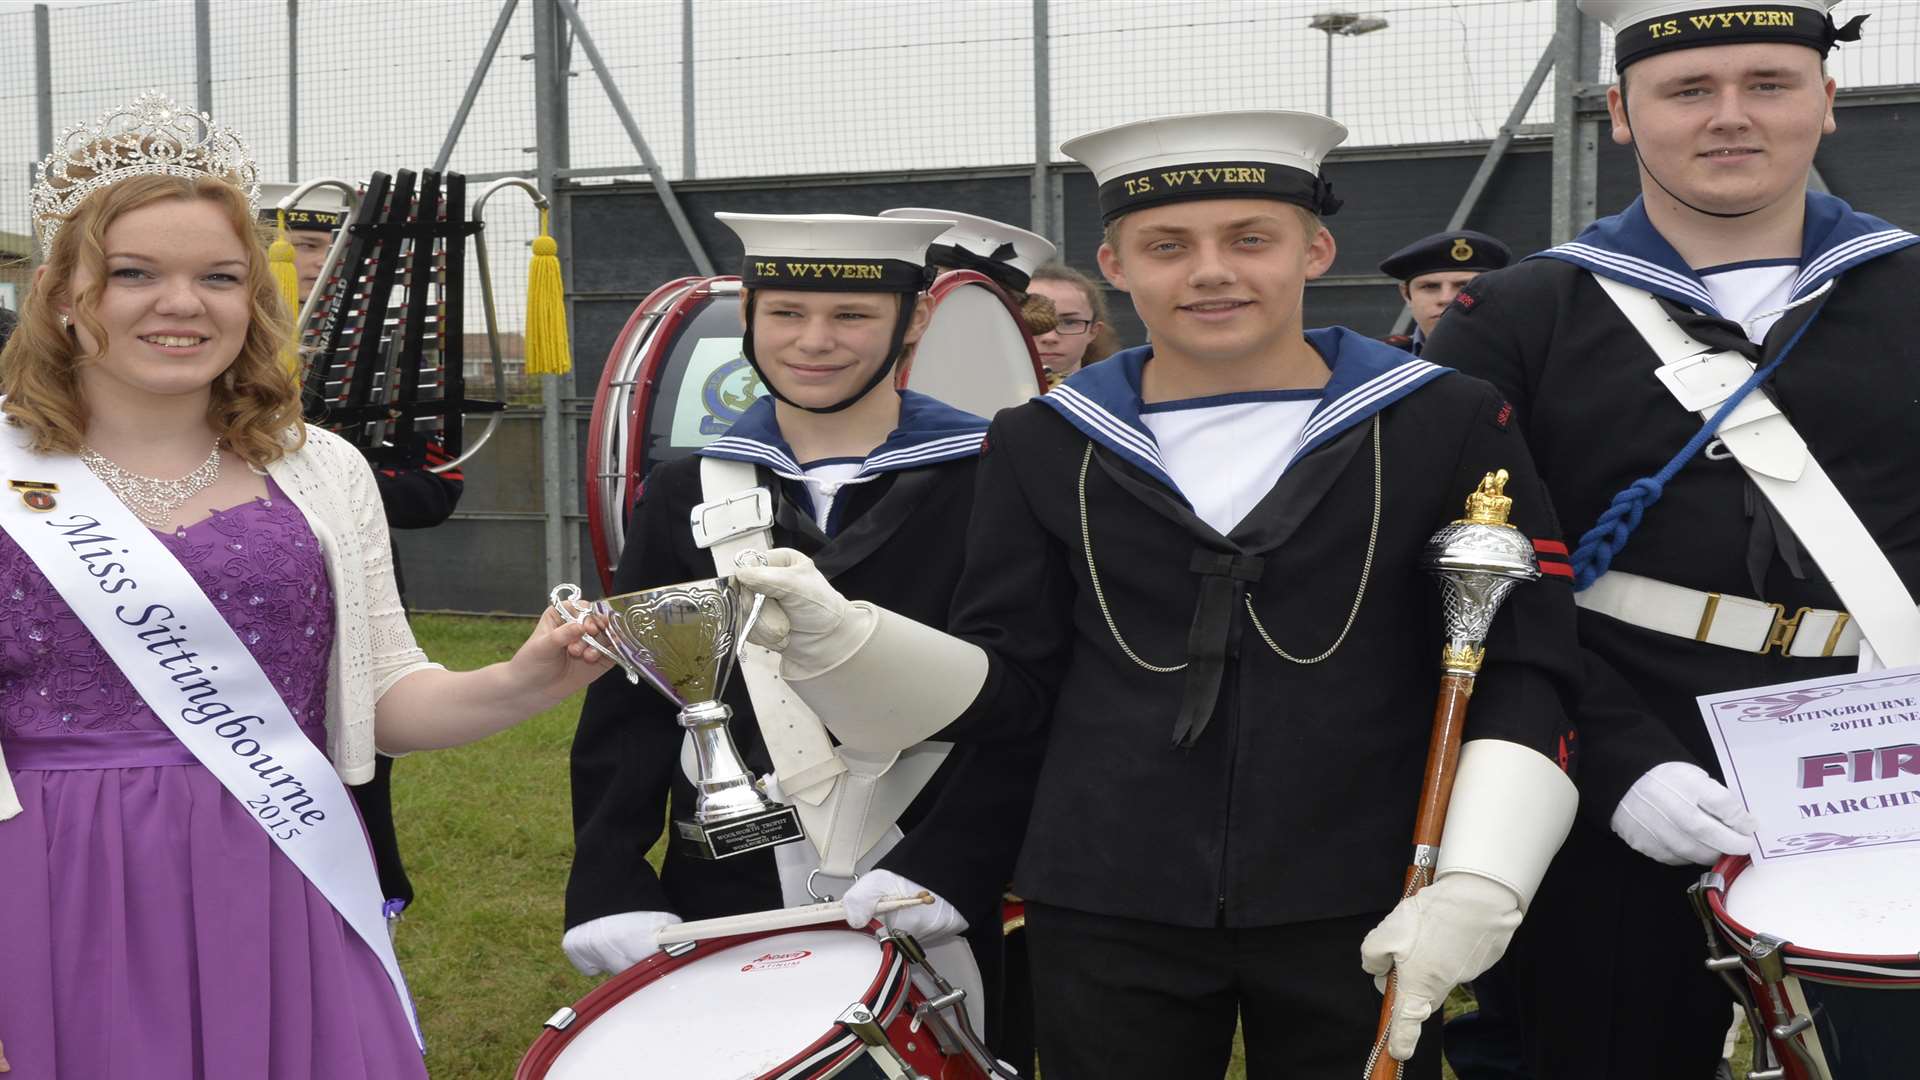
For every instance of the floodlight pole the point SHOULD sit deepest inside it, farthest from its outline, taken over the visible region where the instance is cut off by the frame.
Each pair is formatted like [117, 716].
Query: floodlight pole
[1346, 24]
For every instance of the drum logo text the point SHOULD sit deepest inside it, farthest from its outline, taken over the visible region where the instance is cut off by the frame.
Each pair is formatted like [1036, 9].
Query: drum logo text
[775, 960]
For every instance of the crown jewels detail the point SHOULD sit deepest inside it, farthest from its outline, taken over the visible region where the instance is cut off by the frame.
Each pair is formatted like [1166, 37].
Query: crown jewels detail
[153, 136]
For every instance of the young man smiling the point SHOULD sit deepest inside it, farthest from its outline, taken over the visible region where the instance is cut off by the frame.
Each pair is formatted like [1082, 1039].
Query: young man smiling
[1615, 348]
[1195, 567]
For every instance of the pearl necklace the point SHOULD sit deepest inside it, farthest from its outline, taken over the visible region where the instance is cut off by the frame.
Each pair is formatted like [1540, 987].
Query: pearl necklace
[153, 500]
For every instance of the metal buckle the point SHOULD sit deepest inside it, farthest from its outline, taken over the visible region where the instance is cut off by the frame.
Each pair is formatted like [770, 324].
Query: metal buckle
[1783, 630]
[736, 515]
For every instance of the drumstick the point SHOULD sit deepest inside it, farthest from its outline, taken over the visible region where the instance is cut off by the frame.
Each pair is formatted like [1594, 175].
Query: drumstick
[754, 922]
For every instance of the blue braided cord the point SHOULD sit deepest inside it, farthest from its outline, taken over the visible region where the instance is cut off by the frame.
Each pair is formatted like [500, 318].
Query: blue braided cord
[1601, 543]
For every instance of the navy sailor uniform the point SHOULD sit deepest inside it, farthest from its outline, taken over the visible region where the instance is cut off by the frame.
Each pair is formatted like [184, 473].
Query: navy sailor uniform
[893, 536]
[1582, 382]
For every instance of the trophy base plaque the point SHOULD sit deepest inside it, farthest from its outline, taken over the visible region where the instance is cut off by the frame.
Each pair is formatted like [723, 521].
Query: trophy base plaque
[724, 839]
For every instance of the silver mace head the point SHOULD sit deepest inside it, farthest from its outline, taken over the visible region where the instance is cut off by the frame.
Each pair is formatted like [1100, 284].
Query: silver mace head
[1478, 560]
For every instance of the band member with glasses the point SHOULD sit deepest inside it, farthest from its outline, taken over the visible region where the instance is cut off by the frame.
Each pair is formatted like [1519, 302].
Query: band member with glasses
[1792, 301]
[1083, 330]
[876, 486]
[201, 645]
[1182, 570]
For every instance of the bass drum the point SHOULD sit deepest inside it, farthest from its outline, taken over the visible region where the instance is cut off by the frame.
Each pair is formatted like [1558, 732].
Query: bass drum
[976, 354]
[675, 381]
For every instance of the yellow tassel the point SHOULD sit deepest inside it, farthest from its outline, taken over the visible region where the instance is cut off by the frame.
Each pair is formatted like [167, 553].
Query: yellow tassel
[287, 277]
[547, 350]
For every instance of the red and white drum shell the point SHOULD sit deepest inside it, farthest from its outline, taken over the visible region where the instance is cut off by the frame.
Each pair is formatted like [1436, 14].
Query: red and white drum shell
[687, 323]
[763, 1006]
[1850, 922]
[976, 354]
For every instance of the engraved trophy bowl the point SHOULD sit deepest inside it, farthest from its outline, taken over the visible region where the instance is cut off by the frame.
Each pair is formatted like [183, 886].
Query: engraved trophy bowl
[683, 640]
[1478, 559]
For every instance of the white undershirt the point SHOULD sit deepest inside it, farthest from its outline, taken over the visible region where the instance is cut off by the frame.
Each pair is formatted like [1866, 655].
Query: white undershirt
[1226, 452]
[824, 479]
[1742, 291]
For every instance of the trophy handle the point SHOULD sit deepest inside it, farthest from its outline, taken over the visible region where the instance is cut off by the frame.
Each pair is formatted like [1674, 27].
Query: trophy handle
[564, 599]
[749, 557]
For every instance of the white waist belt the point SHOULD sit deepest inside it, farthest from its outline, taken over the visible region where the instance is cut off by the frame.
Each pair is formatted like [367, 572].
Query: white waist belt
[1734, 622]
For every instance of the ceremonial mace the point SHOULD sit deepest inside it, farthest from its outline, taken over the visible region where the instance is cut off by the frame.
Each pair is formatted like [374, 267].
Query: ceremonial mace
[1478, 560]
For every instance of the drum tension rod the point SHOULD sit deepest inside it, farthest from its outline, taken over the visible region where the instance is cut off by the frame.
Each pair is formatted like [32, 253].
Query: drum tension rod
[860, 1020]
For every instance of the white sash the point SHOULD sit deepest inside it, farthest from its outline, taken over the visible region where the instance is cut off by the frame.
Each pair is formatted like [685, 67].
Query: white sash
[165, 635]
[1766, 445]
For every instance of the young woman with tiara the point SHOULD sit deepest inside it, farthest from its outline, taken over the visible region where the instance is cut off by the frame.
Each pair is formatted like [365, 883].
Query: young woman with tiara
[200, 645]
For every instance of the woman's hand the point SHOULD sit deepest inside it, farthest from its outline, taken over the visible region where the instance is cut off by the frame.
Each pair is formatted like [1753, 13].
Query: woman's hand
[4, 1067]
[555, 662]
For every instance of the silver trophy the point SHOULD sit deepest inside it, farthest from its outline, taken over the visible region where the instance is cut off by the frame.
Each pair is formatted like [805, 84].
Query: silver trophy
[682, 639]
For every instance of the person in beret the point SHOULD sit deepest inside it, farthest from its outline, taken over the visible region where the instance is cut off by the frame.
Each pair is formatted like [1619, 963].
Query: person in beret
[1433, 269]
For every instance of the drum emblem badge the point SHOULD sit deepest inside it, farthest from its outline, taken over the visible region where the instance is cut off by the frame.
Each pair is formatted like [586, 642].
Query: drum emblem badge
[730, 391]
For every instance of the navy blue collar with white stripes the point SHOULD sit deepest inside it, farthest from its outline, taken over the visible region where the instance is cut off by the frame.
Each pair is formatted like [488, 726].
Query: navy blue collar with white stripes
[930, 431]
[1103, 400]
[1627, 248]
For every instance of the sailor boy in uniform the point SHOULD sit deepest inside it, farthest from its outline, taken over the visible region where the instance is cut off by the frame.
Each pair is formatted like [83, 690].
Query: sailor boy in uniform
[875, 485]
[1431, 272]
[1711, 543]
[1194, 567]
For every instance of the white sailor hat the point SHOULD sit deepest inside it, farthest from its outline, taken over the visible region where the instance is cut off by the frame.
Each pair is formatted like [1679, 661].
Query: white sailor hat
[1644, 28]
[834, 252]
[324, 209]
[1261, 154]
[1007, 254]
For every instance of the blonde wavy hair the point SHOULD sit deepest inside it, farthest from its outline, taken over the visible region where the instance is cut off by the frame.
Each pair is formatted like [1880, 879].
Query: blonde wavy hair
[255, 403]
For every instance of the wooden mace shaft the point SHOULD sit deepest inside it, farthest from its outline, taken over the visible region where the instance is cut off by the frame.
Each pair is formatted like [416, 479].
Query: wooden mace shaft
[1436, 790]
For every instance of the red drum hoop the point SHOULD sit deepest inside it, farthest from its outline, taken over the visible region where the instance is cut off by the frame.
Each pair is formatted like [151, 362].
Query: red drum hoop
[1818, 1014]
[892, 996]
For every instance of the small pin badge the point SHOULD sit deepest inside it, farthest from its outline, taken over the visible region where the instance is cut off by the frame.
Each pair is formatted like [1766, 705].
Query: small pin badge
[37, 495]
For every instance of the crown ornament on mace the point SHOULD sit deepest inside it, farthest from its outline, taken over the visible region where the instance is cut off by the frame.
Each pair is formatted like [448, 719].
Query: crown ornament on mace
[152, 136]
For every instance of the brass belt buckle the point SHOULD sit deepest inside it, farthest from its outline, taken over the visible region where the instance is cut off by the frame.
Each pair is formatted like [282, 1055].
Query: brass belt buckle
[1783, 630]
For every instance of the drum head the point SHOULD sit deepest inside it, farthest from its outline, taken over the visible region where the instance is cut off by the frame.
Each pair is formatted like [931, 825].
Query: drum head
[737, 1010]
[1863, 903]
[976, 354]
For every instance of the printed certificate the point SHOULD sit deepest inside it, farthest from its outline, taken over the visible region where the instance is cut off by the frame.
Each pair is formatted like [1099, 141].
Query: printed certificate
[1826, 764]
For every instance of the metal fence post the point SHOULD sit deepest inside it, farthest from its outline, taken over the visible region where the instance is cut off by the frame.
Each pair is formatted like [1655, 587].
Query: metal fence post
[550, 111]
[293, 90]
[203, 53]
[43, 77]
[687, 147]
[1576, 140]
[1040, 200]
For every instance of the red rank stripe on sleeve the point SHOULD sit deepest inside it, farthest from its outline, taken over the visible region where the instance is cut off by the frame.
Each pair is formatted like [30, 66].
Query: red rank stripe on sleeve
[1552, 556]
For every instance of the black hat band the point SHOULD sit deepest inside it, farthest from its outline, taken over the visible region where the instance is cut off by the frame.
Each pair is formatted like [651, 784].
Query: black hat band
[997, 267]
[832, 275]
[306, 220]
[1734, 24]
[1216, 180]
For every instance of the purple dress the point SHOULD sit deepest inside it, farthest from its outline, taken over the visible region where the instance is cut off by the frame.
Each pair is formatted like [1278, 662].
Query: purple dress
[149, 928]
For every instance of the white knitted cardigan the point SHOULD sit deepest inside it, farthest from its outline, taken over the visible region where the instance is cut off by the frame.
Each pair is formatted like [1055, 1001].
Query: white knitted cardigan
[373, 646]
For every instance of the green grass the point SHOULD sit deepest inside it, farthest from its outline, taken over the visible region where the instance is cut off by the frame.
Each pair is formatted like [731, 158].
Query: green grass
[487, 834]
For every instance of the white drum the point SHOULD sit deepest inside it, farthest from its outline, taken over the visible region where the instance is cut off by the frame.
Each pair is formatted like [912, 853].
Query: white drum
[976, 354]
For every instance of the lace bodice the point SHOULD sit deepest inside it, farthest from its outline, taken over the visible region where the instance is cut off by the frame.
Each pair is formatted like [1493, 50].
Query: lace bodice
[258, 562]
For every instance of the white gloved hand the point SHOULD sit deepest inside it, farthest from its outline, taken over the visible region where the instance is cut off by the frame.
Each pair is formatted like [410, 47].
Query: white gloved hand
[931, 923]
[1438, 938]
[611, 944]
[1678, 815]
[805, 618]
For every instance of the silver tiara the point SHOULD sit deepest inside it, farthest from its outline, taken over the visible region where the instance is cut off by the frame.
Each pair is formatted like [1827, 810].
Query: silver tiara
[151, 137]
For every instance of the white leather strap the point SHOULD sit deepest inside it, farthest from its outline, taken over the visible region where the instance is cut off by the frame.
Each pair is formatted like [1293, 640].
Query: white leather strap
[868, 800]
[1734, 622]
[1765, 444]
[797, 743]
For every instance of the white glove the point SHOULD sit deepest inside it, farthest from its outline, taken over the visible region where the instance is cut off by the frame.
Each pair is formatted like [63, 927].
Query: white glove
[805, 618]
[1678, 815]
[931, 923]
[1438, 938]
[611, 944]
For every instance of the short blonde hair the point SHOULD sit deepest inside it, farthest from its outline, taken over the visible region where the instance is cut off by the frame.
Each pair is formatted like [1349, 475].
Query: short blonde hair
[255, 403]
